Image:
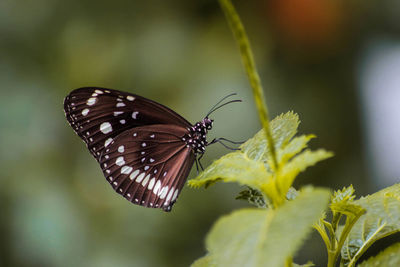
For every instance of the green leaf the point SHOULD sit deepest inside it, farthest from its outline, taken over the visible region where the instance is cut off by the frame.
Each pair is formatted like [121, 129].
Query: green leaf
[250, 166]
[205, 261]
[265, 237]
[382, 218]
[389, 257]
[233, 167]
[302, 161]
[283, 128]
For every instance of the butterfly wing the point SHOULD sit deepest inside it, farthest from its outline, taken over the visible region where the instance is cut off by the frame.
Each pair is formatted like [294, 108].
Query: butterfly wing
[148, 165]
[98, 115]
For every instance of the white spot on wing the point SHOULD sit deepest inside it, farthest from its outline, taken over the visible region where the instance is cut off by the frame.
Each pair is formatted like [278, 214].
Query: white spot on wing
[146, 168]
[134, 174]
[121, 149]
[122, 121]
[171, 191]
[163, 192]
[120, 161]
[151, 160]
[134, 114]
[91, 101]
[157, 187]
[140, 177]
[99, 91]
[116, 113]
[143, 144]
[130, 98]
[134, 134]
[120, 104]
[151, 184]
[126, 170]
[152, 136]
[165, 173]
[85, 111]
[146, 180]
[105, 127]
[175, 195]
[107, 142]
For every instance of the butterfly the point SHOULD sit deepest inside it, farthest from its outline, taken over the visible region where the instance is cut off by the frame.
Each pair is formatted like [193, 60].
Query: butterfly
[144, 149]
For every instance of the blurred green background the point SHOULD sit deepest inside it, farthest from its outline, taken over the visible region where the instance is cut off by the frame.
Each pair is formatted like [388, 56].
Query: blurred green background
[319, 58]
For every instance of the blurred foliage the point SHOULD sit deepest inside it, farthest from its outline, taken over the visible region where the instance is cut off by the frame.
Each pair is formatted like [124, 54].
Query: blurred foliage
[57, 210]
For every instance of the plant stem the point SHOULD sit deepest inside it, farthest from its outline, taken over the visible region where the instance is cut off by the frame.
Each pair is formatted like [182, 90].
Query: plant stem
[248, 60]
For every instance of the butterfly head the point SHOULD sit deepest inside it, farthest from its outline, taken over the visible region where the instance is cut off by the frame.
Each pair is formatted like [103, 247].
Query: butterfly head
[207, 123]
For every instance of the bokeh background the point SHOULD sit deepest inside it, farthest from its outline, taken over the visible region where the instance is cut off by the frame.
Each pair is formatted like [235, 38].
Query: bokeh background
[334, 62]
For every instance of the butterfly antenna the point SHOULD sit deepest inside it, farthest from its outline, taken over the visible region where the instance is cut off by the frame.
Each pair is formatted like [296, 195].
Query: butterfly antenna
[225, 97]
[215, 107]
[229, 102]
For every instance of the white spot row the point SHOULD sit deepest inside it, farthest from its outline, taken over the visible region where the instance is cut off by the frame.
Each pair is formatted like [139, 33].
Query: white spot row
[152, 184]
[120, 104]
[134, 114]
[121, 149]
[85, 111]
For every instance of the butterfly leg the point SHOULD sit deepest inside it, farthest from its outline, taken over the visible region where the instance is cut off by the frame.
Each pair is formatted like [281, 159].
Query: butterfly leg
[219, 140]
[197, 166]
[230, 141]
[201, 166]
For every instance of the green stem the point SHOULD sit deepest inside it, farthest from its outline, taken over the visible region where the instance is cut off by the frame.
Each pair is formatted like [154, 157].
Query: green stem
[251, 70]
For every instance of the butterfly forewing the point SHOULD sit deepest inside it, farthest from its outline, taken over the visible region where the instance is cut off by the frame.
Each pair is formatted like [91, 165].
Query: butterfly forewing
[148, 165]
[98, 115]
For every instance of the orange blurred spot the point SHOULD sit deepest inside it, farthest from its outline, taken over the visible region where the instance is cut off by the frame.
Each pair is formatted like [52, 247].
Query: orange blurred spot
[307, 21]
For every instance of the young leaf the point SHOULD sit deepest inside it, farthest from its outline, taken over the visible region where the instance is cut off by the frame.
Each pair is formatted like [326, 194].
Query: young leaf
[265, 237]
[342, 202]
[254, 197]
[344, 195]
[382, 218]
[389, 257]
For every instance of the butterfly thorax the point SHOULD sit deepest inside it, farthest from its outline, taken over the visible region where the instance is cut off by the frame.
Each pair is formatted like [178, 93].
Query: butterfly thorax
[197, 136]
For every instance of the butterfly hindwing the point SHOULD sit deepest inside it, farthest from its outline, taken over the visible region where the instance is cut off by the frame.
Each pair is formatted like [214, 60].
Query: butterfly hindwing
[98, 115]
[148, 165]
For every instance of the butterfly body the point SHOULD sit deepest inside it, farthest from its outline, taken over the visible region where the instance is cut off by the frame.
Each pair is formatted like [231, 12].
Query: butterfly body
[145, 149]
